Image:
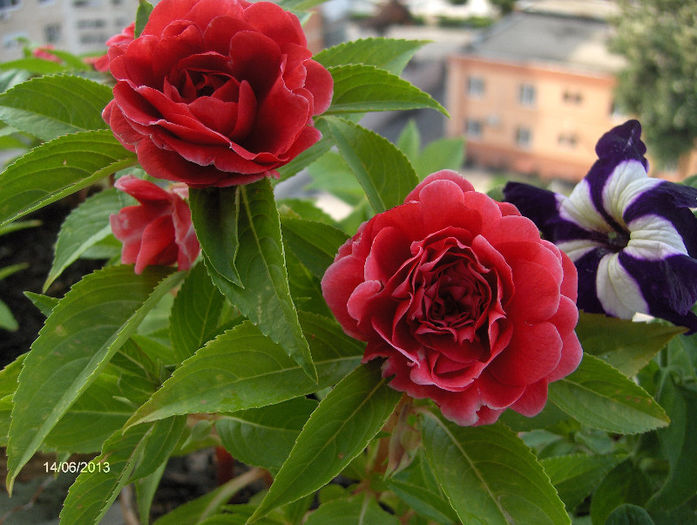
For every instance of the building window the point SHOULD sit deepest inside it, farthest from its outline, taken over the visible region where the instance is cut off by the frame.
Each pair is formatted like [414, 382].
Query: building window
[473, 128]
[96, 23]
[526, 94]
[9, 4]
[523, 137]
[568, 140]
[52, 33]
[86, 3]
[572, 97]
[475, 86]
[93, 38]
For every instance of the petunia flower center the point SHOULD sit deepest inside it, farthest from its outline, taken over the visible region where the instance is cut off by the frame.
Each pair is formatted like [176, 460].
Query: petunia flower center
[617, 240]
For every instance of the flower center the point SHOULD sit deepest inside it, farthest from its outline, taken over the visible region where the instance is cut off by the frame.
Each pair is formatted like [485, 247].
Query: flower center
[617, 240]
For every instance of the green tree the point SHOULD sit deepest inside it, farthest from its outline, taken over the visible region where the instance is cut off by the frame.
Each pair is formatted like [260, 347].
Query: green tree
[659, 83]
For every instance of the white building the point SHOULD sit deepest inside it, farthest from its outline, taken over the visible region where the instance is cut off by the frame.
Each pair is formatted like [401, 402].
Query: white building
[78, 26]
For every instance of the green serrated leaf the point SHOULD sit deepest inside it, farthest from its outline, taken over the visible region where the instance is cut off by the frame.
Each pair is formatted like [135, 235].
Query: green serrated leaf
[9, 375]
[84, 330]
[360, 88]
[303, 160]
[83, 228]
[330, 173]
[93, 492]
[629, 515]
[678, 445]
[44, 303]
[440, 155]
[195, 313]
[243, 369]
[262, 293]
[386, 53]
[575, 476]
[626, 345]
[409, 141]
[58, 168]
[215, 214]
[12, 77]
[314, 243]
[412, 486]
[50, 106]
[599, 396]
[623, 484]
[338, 430]
[145, 493]
[263, 437]
[142, 16]
[34, 65]
[358, 510]
[489, 475]
[382, 170]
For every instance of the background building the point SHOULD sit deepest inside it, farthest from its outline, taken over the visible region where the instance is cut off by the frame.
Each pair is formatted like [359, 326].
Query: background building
[535, 93]
[78, 26]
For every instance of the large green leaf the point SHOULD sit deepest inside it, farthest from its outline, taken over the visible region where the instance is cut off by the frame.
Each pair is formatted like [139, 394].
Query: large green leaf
[314, 243]
[389, 54]
[243, 369]
[93, 492]
[489, 475]
[417, 488]
[576, 476]
[50, 106]
[195, 313]
[678, 445]
[84, 227]
[439, 155]
[263, 437]
[623, 484]
[58, 168]
[629, 515]
[382, 170]
[338, 430]
[83, 331]
[599, 396]
[626, 345]
[359, 88]
[34, 65]
[358, 510]
[251, 229]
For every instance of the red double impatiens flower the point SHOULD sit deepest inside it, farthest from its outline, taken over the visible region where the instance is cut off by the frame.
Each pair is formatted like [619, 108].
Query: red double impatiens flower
[217, 92]
[464, 300]
[116, 45]
[159, 229]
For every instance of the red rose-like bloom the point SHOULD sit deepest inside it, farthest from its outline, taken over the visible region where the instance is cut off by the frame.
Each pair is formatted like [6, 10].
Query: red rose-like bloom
[117, 45]
[217, 92]
[159, 229]
[469, 306]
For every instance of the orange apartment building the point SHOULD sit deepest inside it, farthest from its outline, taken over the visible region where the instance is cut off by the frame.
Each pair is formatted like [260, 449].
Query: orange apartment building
[535, 94]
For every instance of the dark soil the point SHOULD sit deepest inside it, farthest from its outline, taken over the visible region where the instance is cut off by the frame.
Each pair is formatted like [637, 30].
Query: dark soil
[35, 247]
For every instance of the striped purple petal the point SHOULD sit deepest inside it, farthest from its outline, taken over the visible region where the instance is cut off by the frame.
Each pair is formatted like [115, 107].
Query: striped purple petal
[633, 238]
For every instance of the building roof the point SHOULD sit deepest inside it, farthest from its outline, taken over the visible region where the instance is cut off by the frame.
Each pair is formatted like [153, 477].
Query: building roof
[550, 39]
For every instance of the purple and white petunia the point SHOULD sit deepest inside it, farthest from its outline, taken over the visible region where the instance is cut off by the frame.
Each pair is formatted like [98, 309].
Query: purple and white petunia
[633, 238]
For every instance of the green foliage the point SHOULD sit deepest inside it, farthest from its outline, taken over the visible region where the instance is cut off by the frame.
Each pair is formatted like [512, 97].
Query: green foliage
[338, 430]
[389, 54]
[58, 168]
[381, 169]
[51, 106]
[599, 396]
[142, 15]
[489, 475]
[83, 228]
[656, 38]
[255, 273]
[251, 371]
[361, 88]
